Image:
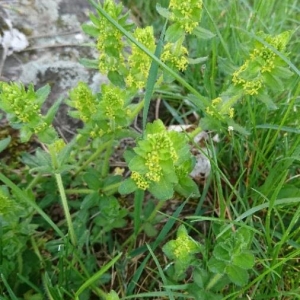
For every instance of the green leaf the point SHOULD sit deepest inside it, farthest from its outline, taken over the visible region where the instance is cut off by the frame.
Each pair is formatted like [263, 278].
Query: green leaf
[202, 294]
[8, 288]
[95, 20]
[116, 78]
[52, 111]
[266, 99]
[64, 155]
[273, 82]
[244, 260]
[282, 72]
[89, 63]
[90, 30]
[198, 60]
[221, 254]
[25, 134]
[216, 266]
[237, 275]
[112, 296]
[237, 127]
[47, 136]
[128, 155]
[127, 186]
[138, 164]
[174, 33]
[289, 190]
[4, 143]
[150, 230]
[41, 158]
[152, 77]
[89, 201]
[92, 179]
[164, 12]
[162, 190]
[187, 188]
[42, 93]
[203, 33]
[244, 236]
[201, 277]
[96, 276]
[155, 127]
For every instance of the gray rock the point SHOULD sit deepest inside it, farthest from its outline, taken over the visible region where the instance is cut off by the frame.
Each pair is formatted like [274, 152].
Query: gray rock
[53, 28]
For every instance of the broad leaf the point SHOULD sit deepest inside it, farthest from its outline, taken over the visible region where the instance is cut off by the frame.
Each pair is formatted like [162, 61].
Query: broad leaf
[127, 186]
[221, 254]
[162, 190]
[4, 143]
[90, 30]
[89, 63]
[237, 275]
[164, 12]
[203, 33]
[42, 93]
[216, 266]
[174, 33]
[244, 260]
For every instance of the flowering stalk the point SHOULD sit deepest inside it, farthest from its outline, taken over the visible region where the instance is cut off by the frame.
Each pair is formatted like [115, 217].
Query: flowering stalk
[262, 65]
[160, 163]
[54, 150]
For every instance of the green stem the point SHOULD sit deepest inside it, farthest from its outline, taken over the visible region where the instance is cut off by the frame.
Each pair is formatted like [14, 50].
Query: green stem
[111, 187]
[138, 205]
[78, 191]
[106, 189]
[36, 250]
[87, 162]
[213, 281]
[33, 182]
[66, 208]
[105, 165]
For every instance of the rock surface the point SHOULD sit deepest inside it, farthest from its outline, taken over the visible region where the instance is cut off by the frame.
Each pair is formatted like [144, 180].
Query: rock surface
[56, 43]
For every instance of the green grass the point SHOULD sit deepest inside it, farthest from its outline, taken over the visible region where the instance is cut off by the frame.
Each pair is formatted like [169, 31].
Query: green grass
[254, 184]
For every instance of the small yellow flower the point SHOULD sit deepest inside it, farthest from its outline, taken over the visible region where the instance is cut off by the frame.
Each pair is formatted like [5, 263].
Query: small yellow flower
[176, 55]
[119, 171]
[139, 180]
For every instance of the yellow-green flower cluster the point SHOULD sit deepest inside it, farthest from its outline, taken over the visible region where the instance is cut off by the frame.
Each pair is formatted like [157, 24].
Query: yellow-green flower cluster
[262, 59]
[97, 131]
[102, 114]
[140, 180]
[186, 13]
[16, 100]
[183, 245]
[23, 106]
[112, 101]
[162, 143]
[182, 248]
[139, 62]
[109, 43]
[218, 108]
[57, 146]
[152, 162]
[160, 147]
[175, 55]
[84, 101]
